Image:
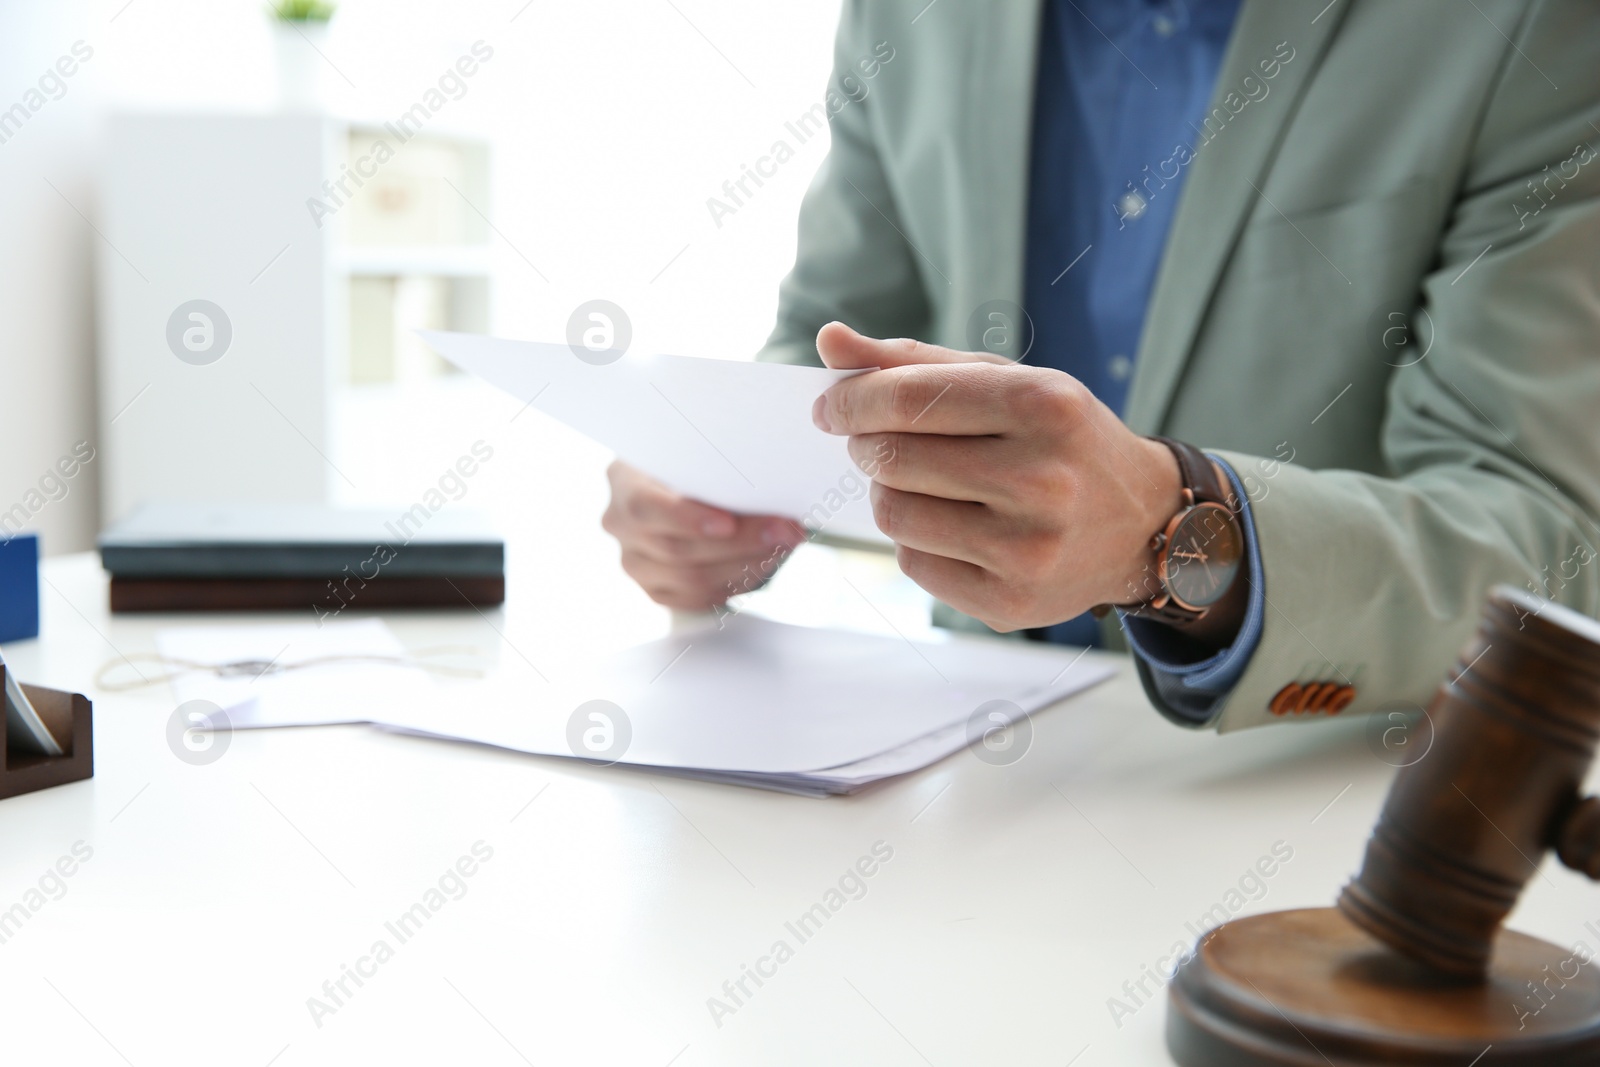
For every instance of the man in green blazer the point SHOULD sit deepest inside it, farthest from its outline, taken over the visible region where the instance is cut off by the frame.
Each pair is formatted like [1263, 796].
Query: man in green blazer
[1375, 304]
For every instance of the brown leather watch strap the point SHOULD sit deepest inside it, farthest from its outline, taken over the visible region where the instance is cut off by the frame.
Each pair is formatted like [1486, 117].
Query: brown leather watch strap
[1199, 476]
[1167, 612]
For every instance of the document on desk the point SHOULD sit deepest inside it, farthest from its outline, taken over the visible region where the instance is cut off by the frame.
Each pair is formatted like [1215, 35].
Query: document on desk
[749, 702]
[766, 704]
[736, 435]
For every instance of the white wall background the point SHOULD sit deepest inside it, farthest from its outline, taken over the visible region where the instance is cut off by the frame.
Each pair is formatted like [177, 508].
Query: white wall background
[47, 397]
[612, 122]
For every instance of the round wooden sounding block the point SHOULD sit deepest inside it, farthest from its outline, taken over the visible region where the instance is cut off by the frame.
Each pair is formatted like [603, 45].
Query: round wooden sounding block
[1338, 996]
[1414, 966]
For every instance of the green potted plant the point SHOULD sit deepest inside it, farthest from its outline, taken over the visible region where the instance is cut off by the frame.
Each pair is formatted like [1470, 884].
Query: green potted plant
[300, 35]
[302, 11]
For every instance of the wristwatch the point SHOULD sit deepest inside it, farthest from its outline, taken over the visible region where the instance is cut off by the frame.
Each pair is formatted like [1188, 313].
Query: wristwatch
[1200, 551]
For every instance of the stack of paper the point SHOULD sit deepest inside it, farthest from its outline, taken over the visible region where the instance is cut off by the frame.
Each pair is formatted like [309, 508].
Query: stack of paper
[785, 707]
[754, 702]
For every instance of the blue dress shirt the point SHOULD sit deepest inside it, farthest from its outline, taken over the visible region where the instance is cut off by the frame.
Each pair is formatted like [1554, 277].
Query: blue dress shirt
[1122, 84]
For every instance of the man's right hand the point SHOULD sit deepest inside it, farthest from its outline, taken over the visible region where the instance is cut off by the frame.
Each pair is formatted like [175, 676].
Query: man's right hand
[688, 555]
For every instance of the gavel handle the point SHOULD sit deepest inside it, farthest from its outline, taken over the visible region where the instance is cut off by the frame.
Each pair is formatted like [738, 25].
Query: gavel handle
[1578, 839]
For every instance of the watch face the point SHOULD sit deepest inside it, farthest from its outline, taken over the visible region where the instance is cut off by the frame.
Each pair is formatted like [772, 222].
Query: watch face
[1204, 552]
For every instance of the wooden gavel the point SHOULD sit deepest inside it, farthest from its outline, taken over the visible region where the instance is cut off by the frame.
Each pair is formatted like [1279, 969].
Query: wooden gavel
[1464, 828]
[1413, 966]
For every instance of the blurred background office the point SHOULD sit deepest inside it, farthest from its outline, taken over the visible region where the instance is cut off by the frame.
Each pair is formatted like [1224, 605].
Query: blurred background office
[160, 158]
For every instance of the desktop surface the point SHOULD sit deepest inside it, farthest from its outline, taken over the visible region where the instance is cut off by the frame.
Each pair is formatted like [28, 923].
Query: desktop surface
[338, 894]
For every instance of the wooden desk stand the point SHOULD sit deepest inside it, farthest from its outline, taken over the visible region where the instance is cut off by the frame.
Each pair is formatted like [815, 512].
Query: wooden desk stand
[1413, 966]
[68, 718]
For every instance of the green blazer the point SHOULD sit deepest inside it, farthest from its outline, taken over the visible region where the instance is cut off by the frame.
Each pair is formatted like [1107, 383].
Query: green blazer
[1372, 173]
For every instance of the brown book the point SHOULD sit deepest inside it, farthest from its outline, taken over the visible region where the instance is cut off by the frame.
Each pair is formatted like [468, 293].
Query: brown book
[318, 595]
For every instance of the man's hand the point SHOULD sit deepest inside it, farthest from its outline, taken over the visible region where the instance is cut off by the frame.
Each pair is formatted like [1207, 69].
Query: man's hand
[688, 555]
[1010, 492]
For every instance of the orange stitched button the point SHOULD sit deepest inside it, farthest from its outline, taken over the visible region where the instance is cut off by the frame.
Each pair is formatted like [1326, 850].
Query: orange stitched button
[1319, 696]
[1312, 698]
[1287, 699]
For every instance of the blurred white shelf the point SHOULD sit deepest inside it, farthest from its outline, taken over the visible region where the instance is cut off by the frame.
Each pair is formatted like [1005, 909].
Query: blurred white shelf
[220, 351]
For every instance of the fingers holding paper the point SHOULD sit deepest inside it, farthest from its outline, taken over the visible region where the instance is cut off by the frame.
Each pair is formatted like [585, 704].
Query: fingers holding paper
[688, 555]
[1011, 492]
[847, 349]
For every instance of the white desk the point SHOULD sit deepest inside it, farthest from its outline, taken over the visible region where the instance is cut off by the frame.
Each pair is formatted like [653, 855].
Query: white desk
[1018, 900]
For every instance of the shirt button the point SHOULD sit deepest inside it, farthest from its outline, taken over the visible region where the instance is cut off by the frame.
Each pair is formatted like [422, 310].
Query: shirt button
[1120, 367]
[1131, 205]
[1164, 26]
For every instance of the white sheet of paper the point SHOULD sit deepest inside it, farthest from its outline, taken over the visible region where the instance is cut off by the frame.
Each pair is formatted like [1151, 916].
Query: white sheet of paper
[912, 756]
[916, 754]
[764, 698]
[733, 434]
[309, 696]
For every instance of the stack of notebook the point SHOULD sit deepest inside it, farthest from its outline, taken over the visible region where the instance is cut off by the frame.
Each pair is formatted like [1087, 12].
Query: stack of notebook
[251, 557]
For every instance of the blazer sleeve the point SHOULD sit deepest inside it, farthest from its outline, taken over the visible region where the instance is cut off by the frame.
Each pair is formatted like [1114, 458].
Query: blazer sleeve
[853, 262]
[1493, 436]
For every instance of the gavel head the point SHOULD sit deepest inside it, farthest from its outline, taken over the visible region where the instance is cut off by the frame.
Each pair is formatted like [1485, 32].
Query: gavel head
[1515, 725]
